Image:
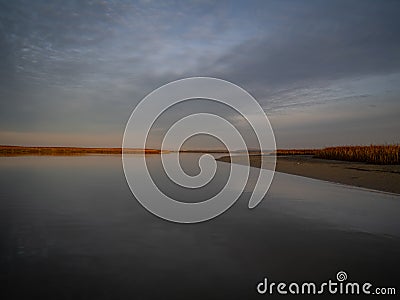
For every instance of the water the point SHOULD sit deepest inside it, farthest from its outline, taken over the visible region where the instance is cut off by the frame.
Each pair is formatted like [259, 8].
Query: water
[71, 229]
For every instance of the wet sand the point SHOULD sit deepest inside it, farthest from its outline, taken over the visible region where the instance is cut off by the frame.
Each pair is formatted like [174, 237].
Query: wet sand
[377, 177]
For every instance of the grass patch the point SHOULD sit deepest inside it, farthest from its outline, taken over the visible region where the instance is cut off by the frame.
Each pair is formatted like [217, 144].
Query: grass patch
[374, 154]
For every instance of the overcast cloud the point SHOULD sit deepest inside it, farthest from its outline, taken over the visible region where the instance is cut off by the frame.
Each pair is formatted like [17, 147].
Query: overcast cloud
[326, 72]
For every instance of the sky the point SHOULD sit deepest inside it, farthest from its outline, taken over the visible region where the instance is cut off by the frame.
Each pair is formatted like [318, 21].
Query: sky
[325, 72]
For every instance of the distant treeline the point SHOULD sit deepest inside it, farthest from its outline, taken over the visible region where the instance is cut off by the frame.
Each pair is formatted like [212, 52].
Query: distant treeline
[22, 150]
[375, 154]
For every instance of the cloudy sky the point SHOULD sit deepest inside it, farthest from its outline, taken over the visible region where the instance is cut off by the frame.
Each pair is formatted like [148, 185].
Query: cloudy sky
[325, 72]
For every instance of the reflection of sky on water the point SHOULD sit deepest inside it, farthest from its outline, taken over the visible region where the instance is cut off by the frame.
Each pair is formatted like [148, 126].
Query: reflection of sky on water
[73, 222]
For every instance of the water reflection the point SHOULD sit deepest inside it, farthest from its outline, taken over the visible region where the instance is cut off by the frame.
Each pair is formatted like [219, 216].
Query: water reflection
[70, 228]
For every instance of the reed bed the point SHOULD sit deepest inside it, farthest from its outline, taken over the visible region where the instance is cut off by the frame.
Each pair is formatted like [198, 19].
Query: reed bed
[375, 154]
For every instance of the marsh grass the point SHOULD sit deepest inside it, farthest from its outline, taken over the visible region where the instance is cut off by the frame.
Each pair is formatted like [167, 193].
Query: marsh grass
[22, 150]
[375, 154]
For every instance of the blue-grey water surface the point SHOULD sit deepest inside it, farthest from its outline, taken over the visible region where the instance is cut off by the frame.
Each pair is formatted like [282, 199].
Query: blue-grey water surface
[71, 229]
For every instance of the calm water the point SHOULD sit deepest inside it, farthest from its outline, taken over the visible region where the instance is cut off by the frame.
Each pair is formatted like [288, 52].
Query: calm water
[71, 229]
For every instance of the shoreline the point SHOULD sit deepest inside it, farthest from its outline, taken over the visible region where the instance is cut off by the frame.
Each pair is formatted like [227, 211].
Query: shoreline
[384, 178]
[378, 177]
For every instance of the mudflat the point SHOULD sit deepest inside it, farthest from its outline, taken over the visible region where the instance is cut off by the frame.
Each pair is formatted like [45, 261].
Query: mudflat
[378, 177]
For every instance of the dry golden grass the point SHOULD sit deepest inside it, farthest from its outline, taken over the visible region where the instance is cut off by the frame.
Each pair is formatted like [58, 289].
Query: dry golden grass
[375, 154]
[22, 150]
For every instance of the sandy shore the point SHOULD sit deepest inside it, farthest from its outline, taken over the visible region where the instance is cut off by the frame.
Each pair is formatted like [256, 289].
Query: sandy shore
[378, 177]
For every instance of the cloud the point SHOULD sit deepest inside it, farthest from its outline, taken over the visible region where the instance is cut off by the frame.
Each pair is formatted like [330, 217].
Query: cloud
[318, 43]
[74, 67]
